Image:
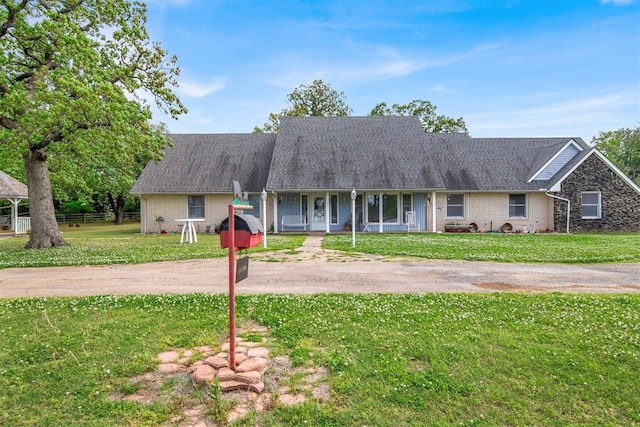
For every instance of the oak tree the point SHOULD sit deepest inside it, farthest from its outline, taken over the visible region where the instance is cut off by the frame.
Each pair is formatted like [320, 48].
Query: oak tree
[426, 112]
[316, 99]
[75, 80]
[622, 147]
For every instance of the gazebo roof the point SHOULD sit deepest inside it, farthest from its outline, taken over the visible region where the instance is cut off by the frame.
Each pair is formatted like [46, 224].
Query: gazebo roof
[11, 188]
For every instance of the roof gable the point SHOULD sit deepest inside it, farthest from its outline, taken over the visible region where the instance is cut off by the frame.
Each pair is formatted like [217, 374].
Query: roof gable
[555, 185]
[559, 160]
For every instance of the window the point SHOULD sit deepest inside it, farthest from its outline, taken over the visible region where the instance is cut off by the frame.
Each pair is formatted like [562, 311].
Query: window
[517, 205]
[390, 208]
[373, 205]
[333, 200]
[196, 206]
[255, 200]
[304, 207]
[455, 205]
[406, 204]
[591, 205]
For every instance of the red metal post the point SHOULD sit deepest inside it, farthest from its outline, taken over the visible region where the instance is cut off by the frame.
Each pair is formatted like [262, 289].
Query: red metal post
[232, 290]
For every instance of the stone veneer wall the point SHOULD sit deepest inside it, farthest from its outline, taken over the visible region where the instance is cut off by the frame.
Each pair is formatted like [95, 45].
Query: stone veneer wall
[620, 202]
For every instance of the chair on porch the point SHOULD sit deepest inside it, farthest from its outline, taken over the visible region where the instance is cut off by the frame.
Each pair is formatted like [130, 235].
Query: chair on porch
[411, 221]
[363, 226]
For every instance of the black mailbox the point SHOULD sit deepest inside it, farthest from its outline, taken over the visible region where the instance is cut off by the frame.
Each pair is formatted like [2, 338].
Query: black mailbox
[248, 231]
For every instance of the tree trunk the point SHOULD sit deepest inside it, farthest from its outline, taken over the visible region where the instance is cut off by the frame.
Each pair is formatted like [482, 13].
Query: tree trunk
[44, 227]
[117, 206]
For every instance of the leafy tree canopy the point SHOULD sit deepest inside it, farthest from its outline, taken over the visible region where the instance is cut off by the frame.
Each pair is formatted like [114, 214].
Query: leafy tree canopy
[622, 147]
[75, 77]
[426, 112]
[316, 99]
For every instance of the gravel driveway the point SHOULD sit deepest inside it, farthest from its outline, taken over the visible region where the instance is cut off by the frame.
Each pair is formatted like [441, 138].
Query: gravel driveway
[314, 270]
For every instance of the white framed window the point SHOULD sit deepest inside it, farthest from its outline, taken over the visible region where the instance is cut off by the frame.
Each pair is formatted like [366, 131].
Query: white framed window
[407, 205]
[455, 205]
[390, 207]
[255, 200]
[333, 201]
[591, 205]
[304, 207]
[517, 205]
[195, 206]
[373, 208]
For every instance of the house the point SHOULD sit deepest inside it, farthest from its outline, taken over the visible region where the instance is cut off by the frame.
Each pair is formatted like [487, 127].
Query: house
[400, 174]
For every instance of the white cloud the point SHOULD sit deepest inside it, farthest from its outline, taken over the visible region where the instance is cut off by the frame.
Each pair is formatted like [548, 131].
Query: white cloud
[375, 64]
[617, 2]
[583, 116]
[441, 89]
[200, 90]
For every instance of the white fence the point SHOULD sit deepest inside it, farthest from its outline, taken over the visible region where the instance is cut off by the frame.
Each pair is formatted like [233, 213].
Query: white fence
[96, 217]
[23, 224]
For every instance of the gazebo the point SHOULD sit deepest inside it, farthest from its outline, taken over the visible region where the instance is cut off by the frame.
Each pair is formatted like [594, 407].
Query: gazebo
[14, 191]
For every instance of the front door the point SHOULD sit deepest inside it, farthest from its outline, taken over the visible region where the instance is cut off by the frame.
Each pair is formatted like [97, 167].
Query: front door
[318, 212]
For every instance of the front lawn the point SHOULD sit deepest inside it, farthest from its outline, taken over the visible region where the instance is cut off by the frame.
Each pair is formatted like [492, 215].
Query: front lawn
[393, 360]
[539, 248]
[101, 244]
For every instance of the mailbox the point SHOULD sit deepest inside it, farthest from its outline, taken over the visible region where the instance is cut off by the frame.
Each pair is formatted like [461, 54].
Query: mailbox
[248, 232]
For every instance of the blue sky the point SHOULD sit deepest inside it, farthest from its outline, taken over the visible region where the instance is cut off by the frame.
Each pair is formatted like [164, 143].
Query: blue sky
[508, 68]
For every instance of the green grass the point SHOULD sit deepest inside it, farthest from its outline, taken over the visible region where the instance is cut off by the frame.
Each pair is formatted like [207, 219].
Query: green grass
[536, 248]
[101, 244]
[394, 360]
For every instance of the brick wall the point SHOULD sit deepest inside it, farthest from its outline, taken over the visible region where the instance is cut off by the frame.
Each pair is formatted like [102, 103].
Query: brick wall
[620, 202]
[491, 210]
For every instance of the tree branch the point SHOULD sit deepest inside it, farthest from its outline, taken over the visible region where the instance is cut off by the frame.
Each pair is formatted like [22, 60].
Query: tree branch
[11, 17]
[8, 123]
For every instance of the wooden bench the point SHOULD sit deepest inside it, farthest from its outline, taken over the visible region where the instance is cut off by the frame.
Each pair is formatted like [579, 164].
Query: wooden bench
[294, 221]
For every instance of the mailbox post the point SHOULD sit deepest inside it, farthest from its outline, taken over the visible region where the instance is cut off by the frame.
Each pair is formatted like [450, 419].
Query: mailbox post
[237, 239]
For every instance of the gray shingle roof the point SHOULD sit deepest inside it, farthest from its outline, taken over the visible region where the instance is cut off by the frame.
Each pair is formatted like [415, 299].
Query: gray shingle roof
[340, 153]
[383, 153]
[209, 163]
[497, 164]
[12, 188]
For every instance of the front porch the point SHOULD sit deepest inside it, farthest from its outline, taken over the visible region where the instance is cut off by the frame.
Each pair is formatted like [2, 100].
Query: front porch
[333, 212]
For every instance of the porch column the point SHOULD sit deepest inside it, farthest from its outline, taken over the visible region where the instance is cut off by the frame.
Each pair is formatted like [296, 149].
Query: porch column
[380, 211]
[434, 210]
[14, 215]
[327, 212]
[275, 212]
